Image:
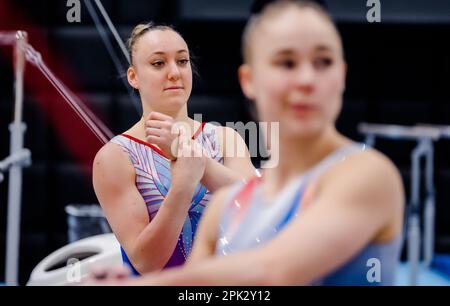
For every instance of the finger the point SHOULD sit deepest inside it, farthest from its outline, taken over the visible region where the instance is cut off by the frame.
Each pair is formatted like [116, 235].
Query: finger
[120, 272]
[174, 142]
[181, 142]
[185, 134]
[157, 124]
[175, 129]
[88, 280]
[99, 272]
[110, 273]
[153, 132]
[181, 138]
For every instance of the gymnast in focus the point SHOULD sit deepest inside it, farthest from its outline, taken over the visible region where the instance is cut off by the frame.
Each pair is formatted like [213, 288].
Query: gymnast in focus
[154, 181]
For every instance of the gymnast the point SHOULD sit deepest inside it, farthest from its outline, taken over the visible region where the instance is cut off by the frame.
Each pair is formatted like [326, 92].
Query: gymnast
[151, 197]
[332, 209]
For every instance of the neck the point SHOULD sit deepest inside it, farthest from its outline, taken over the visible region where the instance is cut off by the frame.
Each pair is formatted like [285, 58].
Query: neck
[179, 115]
[296, 156]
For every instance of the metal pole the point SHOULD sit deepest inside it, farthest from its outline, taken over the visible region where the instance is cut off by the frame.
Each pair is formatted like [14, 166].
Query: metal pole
[429, 209]
[17, 130]
[370, 140]
[108, 44]
[413, 219]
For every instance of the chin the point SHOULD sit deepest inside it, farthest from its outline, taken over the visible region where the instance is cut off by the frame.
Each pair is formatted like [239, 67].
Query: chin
[176, 103]
[303, 129]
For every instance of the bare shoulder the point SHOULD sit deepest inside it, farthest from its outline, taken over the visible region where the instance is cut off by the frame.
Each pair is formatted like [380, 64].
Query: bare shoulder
[111, 163]
[375, 164]
[369, 163]
[368, 174]
[110, 154]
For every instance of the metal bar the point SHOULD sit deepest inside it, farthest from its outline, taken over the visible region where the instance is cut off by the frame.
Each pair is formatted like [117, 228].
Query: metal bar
[399, 132]
[429, 209]
[17, 129]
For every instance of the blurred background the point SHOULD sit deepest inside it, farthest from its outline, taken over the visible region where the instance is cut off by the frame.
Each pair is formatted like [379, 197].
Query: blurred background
[398, 74]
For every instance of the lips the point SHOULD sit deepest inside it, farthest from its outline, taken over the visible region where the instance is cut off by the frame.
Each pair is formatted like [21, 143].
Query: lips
[173, 88]
[301, 109]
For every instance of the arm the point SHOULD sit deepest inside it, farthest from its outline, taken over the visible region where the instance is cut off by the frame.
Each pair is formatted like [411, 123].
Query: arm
[206, 236]
[356, 203]
[237, 165]
[148, 245]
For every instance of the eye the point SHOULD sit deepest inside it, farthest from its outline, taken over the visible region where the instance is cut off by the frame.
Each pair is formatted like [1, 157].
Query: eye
[158, 64]
[285, 63]
[183, 62]
[322, 62]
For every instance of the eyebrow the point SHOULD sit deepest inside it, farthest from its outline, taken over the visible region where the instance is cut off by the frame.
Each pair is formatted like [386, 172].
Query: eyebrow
[324, 48]
[320, 48]
[162, 53]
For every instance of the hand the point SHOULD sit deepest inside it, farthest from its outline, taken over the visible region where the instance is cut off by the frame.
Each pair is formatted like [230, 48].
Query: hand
[190, 165]
[159, 130]
[107, 276]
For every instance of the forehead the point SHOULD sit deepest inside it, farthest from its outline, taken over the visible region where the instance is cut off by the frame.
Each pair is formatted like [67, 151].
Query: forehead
[299, 29]
[161, 41]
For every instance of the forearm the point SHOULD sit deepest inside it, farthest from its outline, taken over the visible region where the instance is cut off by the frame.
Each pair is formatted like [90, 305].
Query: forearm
[217, 175]
[245, 269]
[156, 243]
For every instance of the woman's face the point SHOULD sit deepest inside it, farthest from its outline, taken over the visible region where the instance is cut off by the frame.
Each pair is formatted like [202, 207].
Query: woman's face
[161, 71]
[296, 73]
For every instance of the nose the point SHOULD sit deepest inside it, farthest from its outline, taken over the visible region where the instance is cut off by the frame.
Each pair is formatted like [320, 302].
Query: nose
[305, 76]
[174, 72]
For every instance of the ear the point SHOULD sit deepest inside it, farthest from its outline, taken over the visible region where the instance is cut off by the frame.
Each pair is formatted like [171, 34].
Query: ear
[245, 79]
[132, 77]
